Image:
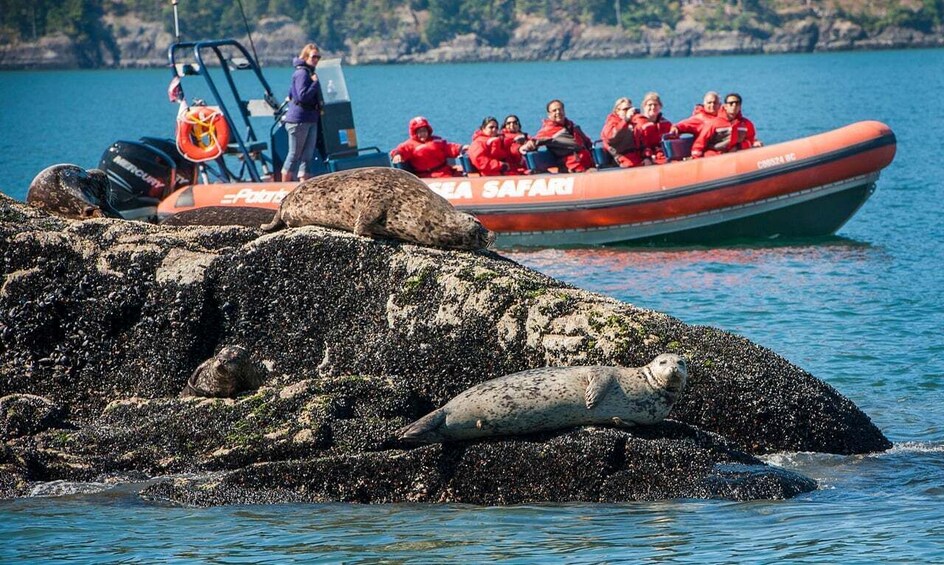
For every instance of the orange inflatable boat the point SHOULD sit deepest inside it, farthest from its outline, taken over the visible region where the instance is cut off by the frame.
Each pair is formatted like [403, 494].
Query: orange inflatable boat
[801, 188]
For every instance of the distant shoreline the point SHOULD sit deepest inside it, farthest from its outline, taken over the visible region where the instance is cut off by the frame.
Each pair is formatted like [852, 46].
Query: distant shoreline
[141, 44]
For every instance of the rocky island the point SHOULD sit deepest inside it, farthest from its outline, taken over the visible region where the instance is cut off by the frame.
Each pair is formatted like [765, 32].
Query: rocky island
[102, 322]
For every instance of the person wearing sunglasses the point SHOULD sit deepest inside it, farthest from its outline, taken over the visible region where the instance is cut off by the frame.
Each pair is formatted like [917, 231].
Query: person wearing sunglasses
[730, 131]
[489, 152]
[620, 137]
[514, 139]
[301, 117]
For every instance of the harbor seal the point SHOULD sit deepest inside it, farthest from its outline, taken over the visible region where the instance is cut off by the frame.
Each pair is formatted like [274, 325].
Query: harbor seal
[554, 398]
[384, 202]
[71, 192]
[226, 374]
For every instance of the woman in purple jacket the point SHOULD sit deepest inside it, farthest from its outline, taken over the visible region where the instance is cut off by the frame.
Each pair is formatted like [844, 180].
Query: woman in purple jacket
[301, 118]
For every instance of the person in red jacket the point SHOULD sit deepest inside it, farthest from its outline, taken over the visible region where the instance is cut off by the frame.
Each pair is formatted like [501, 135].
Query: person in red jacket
[426, 153]
[564, 139]
[489, 152]
[701, 115]
[729, 131]
[652, 125]
[619, 135]
[514, 139]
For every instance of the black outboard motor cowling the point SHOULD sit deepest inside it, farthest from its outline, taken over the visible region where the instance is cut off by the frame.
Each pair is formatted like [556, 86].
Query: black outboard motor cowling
[187, 170]
[139, 177]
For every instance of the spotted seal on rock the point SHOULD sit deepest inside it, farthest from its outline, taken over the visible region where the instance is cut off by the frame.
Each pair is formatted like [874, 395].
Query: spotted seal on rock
[71, 192]
[384, 202]
[226, 374]
[554, 398]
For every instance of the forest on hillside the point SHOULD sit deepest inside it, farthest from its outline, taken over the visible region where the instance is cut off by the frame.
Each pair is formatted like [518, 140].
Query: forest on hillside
[332, 22]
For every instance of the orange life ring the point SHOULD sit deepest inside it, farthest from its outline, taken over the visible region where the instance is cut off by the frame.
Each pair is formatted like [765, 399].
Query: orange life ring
[202, 133]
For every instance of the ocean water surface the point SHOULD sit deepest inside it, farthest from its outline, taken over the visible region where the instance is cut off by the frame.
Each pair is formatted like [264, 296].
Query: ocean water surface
[863, 310]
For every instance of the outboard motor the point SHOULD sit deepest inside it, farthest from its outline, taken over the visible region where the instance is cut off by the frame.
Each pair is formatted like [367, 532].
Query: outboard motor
[187, 170]
[139, 177]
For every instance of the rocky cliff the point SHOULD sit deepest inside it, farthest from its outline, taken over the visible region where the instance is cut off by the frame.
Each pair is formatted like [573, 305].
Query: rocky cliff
[103, 321]
[135, 43]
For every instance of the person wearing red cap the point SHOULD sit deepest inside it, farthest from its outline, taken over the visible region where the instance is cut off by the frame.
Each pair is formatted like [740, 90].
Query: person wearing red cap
[425, 153]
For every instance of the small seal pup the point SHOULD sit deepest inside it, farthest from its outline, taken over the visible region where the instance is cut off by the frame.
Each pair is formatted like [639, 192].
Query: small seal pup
[226, 374]
[554, 398]
[384, 202]
[71, 192]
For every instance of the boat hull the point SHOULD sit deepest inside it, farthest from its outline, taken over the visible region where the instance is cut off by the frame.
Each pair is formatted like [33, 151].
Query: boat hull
[803, 188]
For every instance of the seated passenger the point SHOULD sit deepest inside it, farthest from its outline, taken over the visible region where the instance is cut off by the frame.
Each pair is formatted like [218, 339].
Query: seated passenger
[514, 138]
[729, 131]
[652, 126]
[701, 115]
[489, 152]
[619, 135]
[564, 139]
[426, 153]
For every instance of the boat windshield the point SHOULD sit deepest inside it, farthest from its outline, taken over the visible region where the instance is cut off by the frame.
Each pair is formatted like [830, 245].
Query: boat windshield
[331, 77]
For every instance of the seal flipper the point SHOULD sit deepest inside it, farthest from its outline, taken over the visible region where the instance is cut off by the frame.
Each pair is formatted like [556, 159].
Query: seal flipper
[193, 383]
[597, 385]
[371, 221]
[276, 224]
[424, 430]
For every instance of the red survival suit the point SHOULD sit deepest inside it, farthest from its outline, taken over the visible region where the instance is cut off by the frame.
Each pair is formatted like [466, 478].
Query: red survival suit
[428, 159]
[513, 141]
[693, 124]
[620, 140]
[492, 156]
[567, 142]
[723, 135]
[650, 135]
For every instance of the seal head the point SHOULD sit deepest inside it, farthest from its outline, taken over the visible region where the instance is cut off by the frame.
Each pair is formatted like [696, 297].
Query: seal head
[555, 398]
[71, 192]
[225, 375]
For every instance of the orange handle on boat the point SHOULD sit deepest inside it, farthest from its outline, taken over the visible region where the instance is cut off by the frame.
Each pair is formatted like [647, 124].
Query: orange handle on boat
[202, 133]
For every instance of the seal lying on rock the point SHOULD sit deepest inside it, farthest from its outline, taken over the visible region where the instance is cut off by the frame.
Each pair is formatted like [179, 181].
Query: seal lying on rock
[553, 398]
[381, 201]
[225, 375]
[71, 192]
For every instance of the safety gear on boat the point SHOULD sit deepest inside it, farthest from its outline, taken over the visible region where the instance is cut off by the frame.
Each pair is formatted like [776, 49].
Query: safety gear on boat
[202, 133]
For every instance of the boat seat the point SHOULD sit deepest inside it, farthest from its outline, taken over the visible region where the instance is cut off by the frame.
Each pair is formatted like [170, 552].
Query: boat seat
[602, 157]
[404, 166]
[677, 148]
[541, 160]
[355, 160]
[467, 165]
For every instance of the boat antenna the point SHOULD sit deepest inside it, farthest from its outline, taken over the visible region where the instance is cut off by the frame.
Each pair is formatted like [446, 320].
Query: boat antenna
[176, 22]
[248, 32]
